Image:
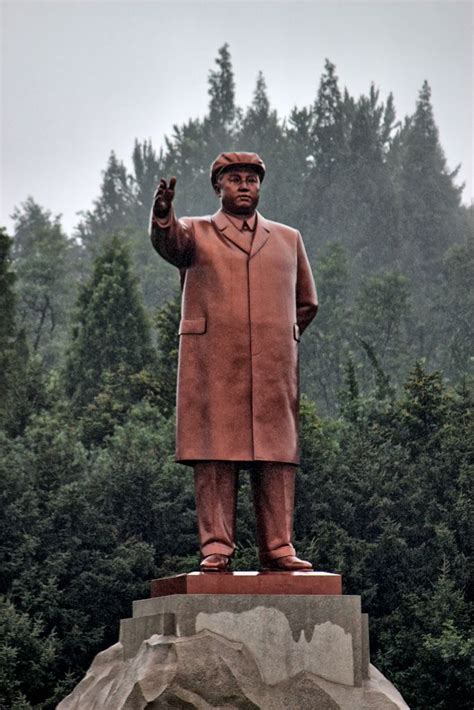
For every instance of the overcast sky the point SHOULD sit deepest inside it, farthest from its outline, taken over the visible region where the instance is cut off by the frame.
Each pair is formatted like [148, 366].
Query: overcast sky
[80, 79]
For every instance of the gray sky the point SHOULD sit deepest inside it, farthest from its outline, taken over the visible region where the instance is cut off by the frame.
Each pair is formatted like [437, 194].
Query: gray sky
[80, 79]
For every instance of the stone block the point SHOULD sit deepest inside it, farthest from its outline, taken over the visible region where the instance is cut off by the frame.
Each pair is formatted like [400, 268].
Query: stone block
[286, 634]
[248, 583]
[365, 645]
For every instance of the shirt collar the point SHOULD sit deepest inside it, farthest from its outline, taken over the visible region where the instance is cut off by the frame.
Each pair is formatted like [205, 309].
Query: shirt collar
[238, 221]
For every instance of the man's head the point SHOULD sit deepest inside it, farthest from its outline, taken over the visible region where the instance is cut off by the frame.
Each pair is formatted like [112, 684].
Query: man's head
[236, 178]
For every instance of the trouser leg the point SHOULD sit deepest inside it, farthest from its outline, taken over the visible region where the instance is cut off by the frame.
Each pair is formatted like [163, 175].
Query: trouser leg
[215, 485]
[273, 488]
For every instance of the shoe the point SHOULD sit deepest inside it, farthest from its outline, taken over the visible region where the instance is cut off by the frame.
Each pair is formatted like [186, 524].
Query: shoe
[289, 563]
[215, 563]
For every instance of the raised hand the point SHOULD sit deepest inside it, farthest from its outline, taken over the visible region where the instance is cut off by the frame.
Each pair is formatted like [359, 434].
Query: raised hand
[163, 197]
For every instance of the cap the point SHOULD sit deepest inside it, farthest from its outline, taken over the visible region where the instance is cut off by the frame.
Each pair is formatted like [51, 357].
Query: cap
[231, 160]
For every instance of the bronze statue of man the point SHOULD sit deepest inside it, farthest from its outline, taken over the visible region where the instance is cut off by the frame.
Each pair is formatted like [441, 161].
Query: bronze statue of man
[247, 295]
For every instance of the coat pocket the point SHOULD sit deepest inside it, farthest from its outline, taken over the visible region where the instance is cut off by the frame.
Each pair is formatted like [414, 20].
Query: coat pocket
[296, 332]
[194, 326]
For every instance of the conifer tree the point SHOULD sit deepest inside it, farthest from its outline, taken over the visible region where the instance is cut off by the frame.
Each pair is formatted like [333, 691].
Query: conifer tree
[382, 321]
[430, 216]
[370, 200]
[7, 324]
[222, 109]
[167, 322]
[111, 330]
[21, 385]
[7, 295]
[299, 152]
[219, 126]
[255, 122]
[328, 123]
[260, 131]
[453, 308]
[326, 345]
[146, 173]
[44, 260]
[323, 204]
[113, 210]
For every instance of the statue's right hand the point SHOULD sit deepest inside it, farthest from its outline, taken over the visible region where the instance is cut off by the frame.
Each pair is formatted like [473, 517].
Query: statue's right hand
[163, 197]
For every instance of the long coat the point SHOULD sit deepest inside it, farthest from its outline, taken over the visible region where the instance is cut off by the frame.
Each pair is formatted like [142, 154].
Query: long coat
[245, 304]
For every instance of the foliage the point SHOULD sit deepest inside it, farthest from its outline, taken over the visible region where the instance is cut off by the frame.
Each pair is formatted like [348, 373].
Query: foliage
[111, 330]
[44, 259]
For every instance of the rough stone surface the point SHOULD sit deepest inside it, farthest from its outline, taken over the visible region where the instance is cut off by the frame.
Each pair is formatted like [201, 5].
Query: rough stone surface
[286, 634]
[267, 635]
[236, 652]
[208, 671]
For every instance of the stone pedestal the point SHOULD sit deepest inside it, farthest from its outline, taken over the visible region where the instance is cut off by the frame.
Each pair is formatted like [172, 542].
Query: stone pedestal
[248, 583]
[246, 649]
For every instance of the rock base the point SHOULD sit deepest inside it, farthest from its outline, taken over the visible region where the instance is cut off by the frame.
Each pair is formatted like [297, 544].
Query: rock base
[276, 652]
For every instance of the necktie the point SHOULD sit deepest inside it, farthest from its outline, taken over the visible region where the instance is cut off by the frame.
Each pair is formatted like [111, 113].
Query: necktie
[245, 227]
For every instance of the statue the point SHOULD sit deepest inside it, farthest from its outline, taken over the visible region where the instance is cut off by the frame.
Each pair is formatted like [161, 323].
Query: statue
[247, 296]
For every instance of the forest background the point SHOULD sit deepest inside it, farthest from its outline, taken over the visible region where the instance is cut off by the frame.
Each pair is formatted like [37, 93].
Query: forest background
[92, 504]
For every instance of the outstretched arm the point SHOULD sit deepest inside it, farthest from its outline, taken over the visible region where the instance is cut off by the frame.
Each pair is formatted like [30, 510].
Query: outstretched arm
[173, 239]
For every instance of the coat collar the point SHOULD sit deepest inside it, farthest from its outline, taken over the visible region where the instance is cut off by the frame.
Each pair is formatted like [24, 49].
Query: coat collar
[240, 239]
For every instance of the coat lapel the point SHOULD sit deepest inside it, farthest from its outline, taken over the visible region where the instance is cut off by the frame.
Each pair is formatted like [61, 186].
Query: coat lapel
[261, 235]
[240, 239]
[226, 228]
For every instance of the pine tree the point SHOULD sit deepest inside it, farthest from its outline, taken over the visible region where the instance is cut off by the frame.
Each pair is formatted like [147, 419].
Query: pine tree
[45, 259]
[261, 132]
[147, 167]
[222, 109]
[7, 296]
[111, 328]
[370, 196]
[7, 325]
[255, 122]
[219, 126]
[382, 323]
[453, 308]
[299, 152]
[324, 202]
[431, 220]
[167, 322]
[326, 344]
[328, 132]
[113, 211]
[21, 379]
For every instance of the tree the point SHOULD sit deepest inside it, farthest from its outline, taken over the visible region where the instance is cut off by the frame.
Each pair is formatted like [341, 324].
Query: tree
[113, 209]
[323, 204]
[167, 322]
[429, 200]
[382, 322]
[222, 109]
[44, 260]
[370, 200]
[326, 344]
[26, 657]
[21, 383]
[453, 310]
[7, 321]
[260, 131]
[111, 328]
[66, 572]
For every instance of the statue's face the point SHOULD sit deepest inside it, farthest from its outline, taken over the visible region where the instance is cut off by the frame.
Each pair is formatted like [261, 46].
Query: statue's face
[239, 190]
